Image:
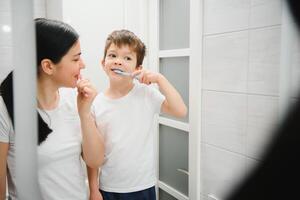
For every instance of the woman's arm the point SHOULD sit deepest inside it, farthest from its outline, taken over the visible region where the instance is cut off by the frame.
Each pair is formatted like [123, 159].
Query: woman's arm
[3, 158]
[92, 140]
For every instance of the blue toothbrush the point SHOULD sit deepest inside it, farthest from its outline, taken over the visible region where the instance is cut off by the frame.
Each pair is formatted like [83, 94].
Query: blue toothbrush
[121, 72]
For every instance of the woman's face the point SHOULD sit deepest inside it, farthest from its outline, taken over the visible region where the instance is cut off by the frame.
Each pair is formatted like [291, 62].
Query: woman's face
[67, 71]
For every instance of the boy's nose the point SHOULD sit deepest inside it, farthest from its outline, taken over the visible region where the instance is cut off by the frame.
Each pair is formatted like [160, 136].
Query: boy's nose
[118, 62]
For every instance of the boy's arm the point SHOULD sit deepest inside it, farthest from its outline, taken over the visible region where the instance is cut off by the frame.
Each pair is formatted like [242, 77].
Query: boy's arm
[173, 104]
[3, 158]
[93, 184]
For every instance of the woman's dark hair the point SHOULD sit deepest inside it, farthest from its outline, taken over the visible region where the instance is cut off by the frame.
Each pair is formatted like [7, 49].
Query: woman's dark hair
[53, 39]
[6, 91]
[294, 7]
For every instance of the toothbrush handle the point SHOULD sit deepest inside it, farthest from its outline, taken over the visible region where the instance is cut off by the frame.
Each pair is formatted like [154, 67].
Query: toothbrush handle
[136, 77]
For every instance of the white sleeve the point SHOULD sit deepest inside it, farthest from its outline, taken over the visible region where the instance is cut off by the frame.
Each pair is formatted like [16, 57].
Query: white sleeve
[155, 98]
[5, 123]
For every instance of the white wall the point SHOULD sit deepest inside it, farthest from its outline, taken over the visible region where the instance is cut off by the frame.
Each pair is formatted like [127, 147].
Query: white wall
[241, 93]
[94, 20]
[6, 36]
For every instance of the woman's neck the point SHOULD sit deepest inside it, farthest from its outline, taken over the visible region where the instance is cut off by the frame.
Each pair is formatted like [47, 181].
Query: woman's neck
[118, 90]
[47, 94]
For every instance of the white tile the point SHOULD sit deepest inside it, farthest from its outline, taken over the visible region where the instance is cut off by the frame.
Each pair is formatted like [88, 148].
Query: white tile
[295, 67]
[6, 61]
[203, 197]
[251, 165]
[264, 61]
[263, 109]
[224, 16]
[226, 62]
[5, 5]
[265, 13]
[263, 116]
[5, 37]
[294, 101]
[224, 120]
[39, 14]
[220, 171]
[39, 8]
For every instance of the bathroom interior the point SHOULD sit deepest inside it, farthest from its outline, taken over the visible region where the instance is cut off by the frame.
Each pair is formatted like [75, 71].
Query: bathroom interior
[235, 62]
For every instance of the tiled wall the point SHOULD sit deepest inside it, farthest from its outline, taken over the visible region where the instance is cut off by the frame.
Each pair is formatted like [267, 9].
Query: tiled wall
[240, 94]
[6, 37]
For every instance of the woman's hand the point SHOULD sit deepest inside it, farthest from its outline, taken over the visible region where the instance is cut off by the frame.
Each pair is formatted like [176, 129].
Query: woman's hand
[86, 95]
[3, 164]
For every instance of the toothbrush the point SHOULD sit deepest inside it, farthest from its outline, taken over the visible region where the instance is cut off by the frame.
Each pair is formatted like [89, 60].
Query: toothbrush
[121, 72]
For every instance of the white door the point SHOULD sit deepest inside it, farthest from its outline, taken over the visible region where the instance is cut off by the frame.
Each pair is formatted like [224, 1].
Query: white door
[172, 50]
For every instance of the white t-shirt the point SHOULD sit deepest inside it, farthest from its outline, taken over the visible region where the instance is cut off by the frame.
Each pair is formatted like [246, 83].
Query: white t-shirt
[60, 171]
[127, 125]
[7, 135]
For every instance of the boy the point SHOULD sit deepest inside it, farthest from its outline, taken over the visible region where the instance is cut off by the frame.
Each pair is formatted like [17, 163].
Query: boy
[125, 114]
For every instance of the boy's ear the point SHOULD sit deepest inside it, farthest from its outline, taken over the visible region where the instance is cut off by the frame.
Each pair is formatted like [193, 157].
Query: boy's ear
[139, 67]
[47, 66]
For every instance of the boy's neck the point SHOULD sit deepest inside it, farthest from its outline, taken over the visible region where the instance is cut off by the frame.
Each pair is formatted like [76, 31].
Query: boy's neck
[117, 90]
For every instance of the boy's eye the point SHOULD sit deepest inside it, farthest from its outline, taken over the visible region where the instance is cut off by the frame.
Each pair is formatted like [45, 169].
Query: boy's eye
[111, 55]
[127, 58]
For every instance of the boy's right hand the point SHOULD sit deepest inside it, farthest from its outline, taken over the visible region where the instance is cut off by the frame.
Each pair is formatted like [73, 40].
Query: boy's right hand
[147, 77]
[96, 195]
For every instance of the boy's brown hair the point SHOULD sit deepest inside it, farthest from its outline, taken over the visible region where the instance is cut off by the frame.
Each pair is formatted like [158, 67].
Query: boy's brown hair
[126, 37]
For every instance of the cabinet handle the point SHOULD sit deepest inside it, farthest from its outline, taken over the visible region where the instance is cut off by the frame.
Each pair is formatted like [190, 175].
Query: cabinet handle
[183, 171]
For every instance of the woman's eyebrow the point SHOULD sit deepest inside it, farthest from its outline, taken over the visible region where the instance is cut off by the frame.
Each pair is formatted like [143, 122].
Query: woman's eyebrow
[78, 54]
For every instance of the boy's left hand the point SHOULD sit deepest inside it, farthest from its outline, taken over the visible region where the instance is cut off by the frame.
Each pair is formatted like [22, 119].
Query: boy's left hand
[86, 95]
[96, 195]
[147, 77]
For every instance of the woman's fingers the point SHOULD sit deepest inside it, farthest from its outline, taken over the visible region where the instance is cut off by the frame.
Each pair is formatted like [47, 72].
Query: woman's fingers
[86, 88]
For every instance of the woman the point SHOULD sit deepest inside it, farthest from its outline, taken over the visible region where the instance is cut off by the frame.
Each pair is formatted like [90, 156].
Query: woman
[70, 131]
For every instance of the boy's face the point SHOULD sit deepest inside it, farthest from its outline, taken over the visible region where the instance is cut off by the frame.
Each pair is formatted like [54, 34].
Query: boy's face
[122, 58]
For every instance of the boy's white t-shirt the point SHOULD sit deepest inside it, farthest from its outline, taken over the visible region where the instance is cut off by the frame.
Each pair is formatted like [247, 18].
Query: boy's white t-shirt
[61, 174]
[127, 126]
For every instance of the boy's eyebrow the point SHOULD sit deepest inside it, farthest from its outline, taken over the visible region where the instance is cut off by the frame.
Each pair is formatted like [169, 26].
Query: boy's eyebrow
[112, 50]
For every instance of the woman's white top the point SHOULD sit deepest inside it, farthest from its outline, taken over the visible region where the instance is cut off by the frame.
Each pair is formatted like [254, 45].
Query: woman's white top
[61, 172]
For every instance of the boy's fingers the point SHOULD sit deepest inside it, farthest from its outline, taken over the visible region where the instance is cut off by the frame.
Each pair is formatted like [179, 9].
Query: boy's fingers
[137, 72]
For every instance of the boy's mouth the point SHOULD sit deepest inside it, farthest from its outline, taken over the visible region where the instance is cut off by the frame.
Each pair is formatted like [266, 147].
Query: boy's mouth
[116, 69]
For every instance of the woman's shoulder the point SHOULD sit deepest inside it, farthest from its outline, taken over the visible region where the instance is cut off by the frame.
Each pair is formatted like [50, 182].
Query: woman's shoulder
[3, 110]
[68, 94]
[5, 123]
[68, 98]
